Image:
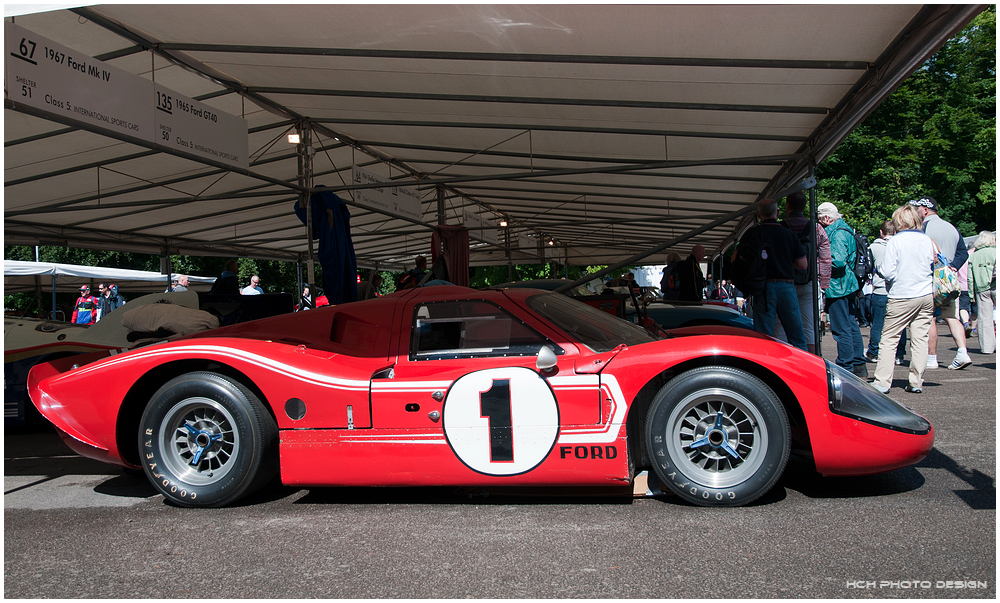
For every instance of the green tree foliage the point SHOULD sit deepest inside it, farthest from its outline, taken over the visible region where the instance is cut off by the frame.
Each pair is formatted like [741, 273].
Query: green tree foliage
[488, 276]
[935, 135]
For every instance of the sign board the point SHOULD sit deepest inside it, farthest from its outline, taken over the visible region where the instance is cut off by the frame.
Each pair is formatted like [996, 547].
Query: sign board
[401, 201]
[490, 234]
[58, 80]
[474, 223]
[53, 78]
[526, 244]
[193, 127]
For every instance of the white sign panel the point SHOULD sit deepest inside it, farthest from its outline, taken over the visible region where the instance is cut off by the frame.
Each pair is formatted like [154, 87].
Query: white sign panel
[49, 76]
[194, 127]
[53, 78]
[490, 234]
[394, 200]
[474, 223]
[527, 244]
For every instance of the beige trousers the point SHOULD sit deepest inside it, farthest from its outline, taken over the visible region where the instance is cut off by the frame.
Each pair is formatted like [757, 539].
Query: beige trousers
[918, 313]
[987, 337]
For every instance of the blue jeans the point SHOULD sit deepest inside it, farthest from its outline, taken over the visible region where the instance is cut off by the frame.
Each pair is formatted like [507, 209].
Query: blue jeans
[843, 312]
[779, 300]
[865, 310]
[878, 322]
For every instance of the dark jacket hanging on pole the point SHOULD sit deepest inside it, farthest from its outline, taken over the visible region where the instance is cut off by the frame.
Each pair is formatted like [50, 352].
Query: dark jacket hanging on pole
[332, 226]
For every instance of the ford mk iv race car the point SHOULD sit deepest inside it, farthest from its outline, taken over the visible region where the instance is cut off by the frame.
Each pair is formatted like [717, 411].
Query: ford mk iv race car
[449, 386]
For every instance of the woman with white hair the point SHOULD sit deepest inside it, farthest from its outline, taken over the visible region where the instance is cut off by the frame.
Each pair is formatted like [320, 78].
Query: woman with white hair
[907, 268]
[982, 269]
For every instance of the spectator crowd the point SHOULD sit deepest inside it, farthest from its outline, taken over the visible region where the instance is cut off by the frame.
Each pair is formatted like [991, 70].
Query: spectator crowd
[892, 291]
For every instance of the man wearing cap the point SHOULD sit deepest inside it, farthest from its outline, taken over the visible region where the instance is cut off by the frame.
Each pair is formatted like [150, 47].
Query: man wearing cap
[842, 294]
[102, 307]
[952, 246]
[85, 309]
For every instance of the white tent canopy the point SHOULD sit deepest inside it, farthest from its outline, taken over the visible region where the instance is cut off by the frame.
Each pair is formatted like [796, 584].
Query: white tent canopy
[596, 131]
[19, 276]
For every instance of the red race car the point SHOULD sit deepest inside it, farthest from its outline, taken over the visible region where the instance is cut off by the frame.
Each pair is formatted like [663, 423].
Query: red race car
[452, 386]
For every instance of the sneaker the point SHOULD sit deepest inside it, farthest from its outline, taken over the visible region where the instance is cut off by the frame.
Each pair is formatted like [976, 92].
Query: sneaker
[861, 370]
[932, 363]
[974, 333]
[968, 330]
[871, 357]
[899, 361]
[959, 363]
[879, 389]
[913, 390]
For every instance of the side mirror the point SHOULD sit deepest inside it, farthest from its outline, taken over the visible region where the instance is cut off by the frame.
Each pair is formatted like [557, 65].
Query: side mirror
[546, 359]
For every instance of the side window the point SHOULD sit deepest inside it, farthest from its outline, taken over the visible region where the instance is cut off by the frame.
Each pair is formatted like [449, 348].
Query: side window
[471, 329]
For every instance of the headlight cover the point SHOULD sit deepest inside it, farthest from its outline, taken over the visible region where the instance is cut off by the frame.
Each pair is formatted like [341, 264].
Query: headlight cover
[852, 397]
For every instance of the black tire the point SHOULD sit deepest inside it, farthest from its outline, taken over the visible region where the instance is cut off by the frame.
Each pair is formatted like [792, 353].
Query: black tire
[206, 441]
[739, 430]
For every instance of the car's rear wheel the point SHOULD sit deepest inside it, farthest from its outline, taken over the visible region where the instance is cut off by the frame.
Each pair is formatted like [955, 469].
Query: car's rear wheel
[717, 436]
[205, 441]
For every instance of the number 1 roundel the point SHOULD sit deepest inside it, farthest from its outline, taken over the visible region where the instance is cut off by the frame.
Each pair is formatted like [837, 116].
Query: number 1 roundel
[501, 421]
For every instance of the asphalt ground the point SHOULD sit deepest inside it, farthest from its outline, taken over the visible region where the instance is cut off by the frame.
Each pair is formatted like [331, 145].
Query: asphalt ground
[75, 528]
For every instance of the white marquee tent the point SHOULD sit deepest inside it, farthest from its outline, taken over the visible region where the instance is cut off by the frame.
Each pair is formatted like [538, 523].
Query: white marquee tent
[595, 131]
[19, 276]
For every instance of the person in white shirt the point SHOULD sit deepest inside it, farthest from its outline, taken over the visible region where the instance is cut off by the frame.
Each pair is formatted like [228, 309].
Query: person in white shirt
[254, 287]
[907, 269]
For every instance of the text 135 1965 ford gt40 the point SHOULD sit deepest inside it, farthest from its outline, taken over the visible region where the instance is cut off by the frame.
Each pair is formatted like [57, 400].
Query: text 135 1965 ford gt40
[452, 386]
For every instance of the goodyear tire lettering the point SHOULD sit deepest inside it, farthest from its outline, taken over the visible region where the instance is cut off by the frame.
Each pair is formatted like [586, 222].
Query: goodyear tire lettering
[697, 419]
[244, 458]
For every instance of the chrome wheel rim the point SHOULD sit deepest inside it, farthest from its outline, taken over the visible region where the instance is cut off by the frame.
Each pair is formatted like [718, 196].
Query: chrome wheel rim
[199, 441]
[716, 437]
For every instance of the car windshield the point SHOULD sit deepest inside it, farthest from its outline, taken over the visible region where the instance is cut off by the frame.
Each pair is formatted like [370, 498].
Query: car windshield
[595, 329]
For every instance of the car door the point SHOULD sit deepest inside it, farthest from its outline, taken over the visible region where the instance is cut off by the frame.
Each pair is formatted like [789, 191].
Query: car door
[466, 375]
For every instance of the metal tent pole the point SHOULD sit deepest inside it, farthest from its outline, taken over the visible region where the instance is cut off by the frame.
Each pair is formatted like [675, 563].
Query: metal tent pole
[305, 159]
[298, 283]
[817, 336]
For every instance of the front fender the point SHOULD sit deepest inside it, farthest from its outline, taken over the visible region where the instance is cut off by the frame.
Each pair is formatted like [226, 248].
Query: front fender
[840, 445]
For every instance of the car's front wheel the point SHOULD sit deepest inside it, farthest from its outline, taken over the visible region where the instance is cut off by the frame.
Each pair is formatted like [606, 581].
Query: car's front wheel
[205, 440]
[717, 436]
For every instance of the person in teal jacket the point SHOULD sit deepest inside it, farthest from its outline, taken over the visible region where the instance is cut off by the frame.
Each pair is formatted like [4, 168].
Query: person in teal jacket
[842, 294]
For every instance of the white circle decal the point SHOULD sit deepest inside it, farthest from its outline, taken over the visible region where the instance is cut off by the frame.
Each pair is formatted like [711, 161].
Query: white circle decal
[501, 421]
